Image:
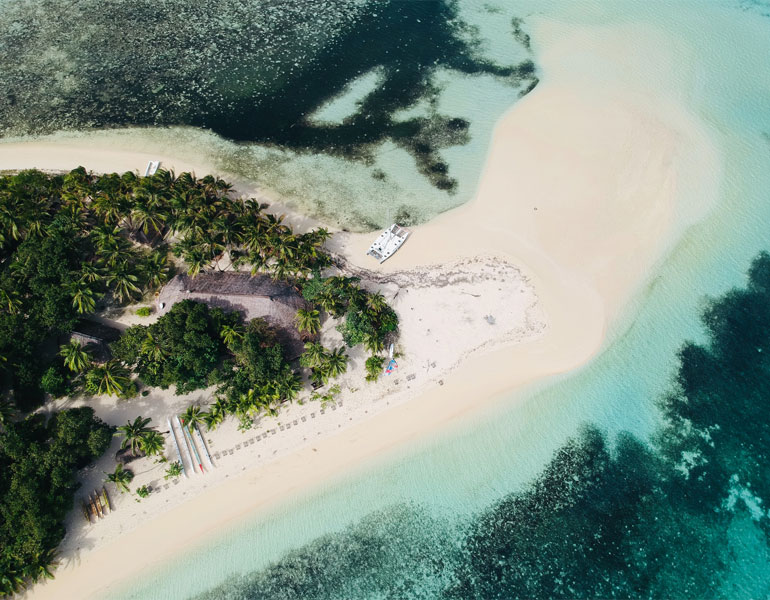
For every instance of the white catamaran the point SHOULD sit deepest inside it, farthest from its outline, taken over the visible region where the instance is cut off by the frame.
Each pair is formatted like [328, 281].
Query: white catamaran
[389, 241]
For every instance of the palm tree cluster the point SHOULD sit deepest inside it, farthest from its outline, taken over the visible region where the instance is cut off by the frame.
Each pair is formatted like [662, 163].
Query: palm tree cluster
[209, 226]
[264, 399]
[106, 213]
[368, 318]
[324, 364]
[111, 378]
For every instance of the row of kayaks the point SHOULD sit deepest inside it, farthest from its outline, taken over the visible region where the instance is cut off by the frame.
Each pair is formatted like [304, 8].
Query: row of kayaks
[186, 446]
[96, 505]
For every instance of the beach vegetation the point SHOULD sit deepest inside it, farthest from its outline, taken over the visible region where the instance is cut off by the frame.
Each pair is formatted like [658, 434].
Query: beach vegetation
[328, 397]
[110, 378]
[134, 433]
[76, 357]
[143, 311]
[335, 363]
[173, 470]
[374, 367]
[121, 478]
[152, 443]
[194, 415]
[143, 491]
[308, 321]
[54, 382]
[39, 460]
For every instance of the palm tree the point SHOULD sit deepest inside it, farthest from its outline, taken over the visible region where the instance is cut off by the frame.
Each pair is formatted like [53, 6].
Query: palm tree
[373, 343]
[216, 414]
[152, 443]
[373, 367]
[11, 582]
[82, 297]
[121, 478]
[231, 334]
[42, 563]
[110, 207]
[91, 273]
[376, 302]
[314, 355]
[105, 236]
[134, 433]
[193, 416]
[123, 282]
[155, 269]
[154, 349]
[10, 301]
[195, 260]
[308, 320]
[146, 217]
[76, 357]
[288, 384]
[336, 362]
[331, 302]
[111, 378]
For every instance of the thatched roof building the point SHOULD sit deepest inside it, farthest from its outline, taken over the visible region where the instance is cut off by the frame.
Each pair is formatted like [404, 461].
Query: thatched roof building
[97, 336]
[253, 297]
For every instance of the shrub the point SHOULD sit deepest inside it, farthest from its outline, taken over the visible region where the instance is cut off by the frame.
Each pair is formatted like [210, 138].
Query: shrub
[143, 491]
[54, 382]
[173, 470]
[143, 311]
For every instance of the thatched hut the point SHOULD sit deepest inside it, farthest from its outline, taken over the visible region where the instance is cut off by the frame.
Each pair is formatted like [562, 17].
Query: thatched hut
[253, 297]
[97, 336]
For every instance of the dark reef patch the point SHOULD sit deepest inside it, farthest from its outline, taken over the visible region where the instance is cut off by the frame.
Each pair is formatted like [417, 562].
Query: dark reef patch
[627, 519]
[251, 72]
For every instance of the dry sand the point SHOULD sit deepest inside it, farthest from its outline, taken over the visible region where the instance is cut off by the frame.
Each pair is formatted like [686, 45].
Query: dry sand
[588, 181]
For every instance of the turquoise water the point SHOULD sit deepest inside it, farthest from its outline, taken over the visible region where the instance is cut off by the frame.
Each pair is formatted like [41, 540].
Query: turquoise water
[402, 528]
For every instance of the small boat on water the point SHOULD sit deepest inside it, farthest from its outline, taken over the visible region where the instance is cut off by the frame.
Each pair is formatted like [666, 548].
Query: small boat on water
[388, 242]
[152, 168]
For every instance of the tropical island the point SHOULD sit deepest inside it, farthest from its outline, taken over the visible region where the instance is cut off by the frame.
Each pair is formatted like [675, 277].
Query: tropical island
[76, 243]
[117, 289]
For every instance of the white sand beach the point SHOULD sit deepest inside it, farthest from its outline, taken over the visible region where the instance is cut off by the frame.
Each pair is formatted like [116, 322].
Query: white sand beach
[589, 181]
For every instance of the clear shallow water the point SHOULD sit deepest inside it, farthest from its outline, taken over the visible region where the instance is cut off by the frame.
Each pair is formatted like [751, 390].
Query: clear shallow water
[393, 530]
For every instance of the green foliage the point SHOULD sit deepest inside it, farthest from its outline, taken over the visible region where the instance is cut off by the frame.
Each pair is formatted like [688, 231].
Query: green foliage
[313, 287]
[121, 477]
[134, 434]
[308, 321]
[368, 321]
[183, 347]
[54, 382]
[76, 357]
[143, 491]
[143, 311]
[326, 398]
[152, 443]
[37, 484]
[64, 245]
[111, 378]
[374, 367]
[173, 470]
